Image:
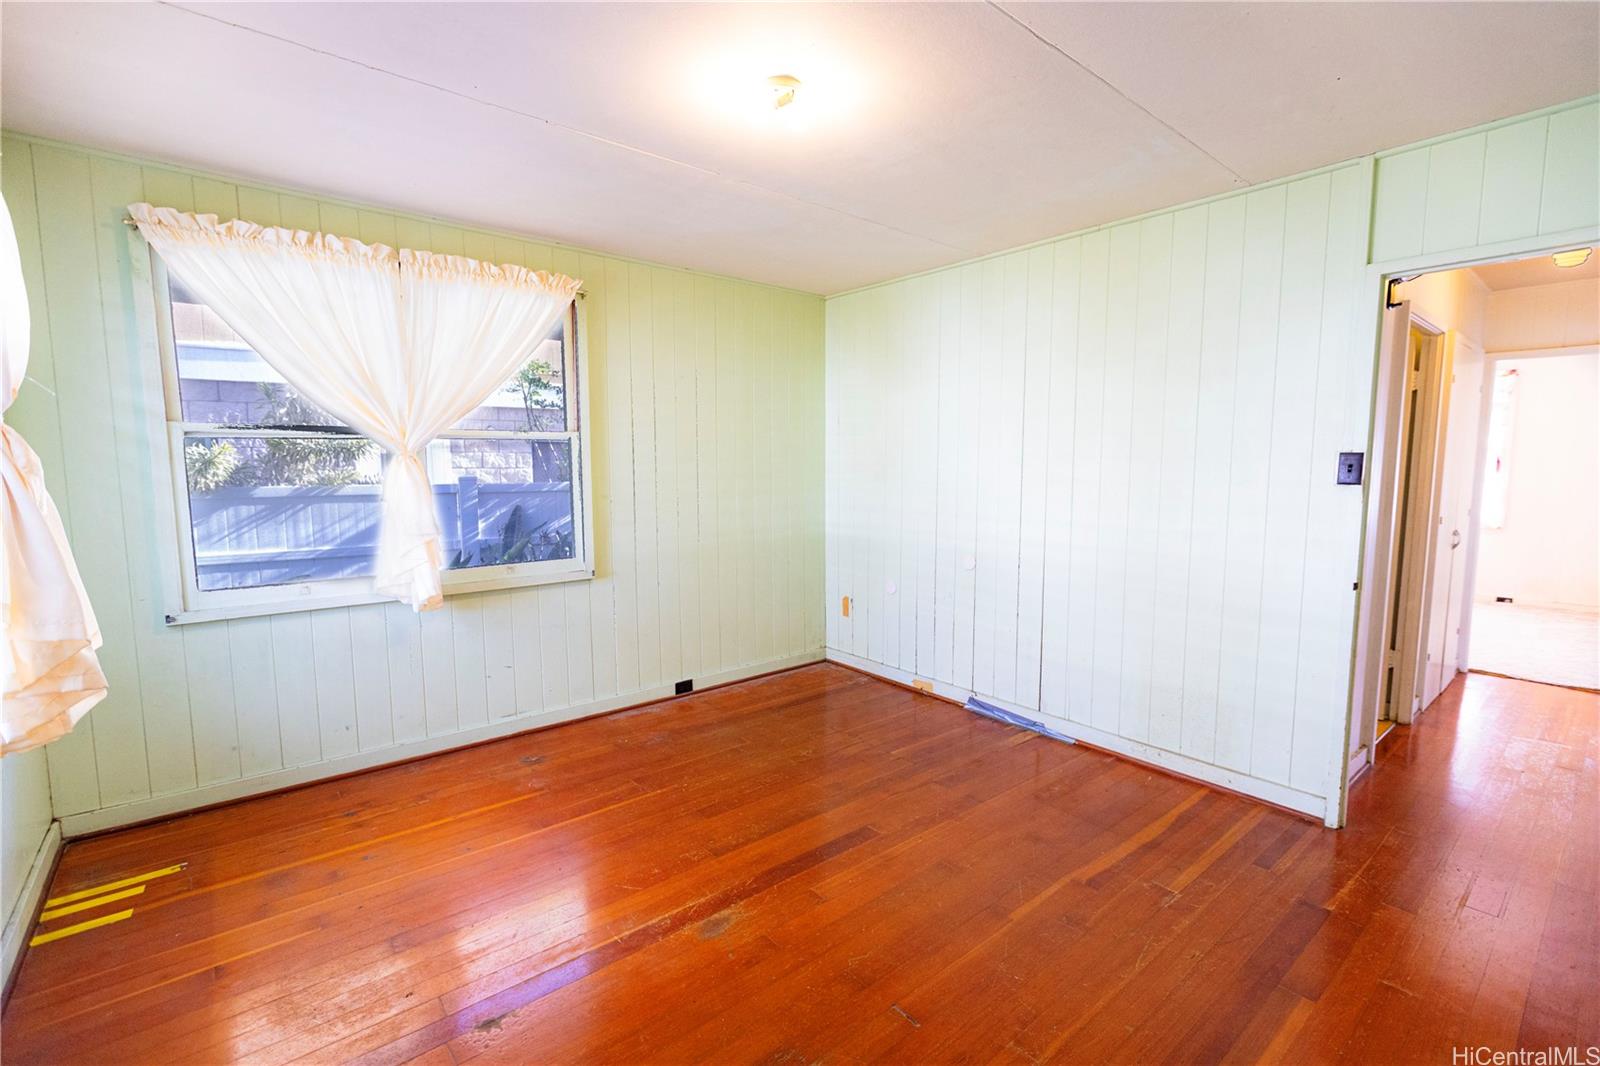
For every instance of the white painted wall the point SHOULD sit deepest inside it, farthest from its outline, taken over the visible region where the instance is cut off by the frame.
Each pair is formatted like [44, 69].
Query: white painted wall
[1093, 479]
[1563, 315]
[706, 402]
[1449, 300]
[24, 818]
[1548, 551]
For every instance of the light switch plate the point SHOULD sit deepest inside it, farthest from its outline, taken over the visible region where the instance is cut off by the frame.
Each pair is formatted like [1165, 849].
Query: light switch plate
[1350, 467]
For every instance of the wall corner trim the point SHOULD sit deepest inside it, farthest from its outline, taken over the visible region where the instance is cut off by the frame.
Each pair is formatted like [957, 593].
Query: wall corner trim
[20, 922]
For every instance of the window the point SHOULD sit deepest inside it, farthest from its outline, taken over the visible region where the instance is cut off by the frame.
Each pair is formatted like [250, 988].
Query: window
[1497, 468]
[278, 502]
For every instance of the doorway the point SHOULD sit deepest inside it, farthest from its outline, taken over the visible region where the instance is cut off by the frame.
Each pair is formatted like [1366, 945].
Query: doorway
[1536, 615]
[1446, 472]
[1422, 413]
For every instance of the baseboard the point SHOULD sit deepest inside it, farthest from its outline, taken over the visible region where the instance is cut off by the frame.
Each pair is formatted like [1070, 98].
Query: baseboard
[155, 807]
[19, 924]
[1256, 788]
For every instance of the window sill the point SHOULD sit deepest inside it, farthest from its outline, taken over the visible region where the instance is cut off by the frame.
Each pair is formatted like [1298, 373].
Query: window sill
[296, 604]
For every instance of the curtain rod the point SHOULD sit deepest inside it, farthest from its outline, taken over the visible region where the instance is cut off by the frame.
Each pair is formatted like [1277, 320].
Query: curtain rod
[581, 293]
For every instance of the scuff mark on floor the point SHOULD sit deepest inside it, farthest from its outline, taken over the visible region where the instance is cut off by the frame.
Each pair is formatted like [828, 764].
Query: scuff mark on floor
[898, 1010]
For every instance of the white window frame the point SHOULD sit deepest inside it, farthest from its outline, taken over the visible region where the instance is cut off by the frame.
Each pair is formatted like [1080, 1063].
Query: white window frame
[190, 603]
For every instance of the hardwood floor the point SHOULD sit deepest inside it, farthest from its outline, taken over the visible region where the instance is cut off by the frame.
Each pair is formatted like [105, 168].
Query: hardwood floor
[818, 866]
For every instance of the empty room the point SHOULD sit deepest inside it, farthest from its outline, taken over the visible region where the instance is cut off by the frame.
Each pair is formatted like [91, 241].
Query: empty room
[665, 533]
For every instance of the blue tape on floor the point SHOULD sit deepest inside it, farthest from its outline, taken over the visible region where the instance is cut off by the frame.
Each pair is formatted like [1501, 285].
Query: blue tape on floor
[1000, 714]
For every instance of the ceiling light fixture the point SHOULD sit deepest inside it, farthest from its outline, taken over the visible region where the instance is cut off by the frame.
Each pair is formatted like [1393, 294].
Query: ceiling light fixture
[784, 86]
[1572, 257]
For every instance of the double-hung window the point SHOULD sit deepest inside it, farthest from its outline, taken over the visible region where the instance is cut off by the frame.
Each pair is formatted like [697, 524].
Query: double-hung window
[277, 503]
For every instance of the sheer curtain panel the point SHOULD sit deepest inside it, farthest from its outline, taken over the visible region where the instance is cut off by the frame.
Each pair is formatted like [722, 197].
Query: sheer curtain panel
[52, 675]
[398, 344]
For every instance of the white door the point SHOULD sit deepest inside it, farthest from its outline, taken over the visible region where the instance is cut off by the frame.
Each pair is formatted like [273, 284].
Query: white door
[1448, 594]
[1377, 568]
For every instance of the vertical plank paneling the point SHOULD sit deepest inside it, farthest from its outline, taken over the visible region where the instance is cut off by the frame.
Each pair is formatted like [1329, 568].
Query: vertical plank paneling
[1007, 475]
[404, 639]
[648, 553]
[948, 443]
[526, 638]
[896, 417]
[436, 637]
[1144, 474]
[1036, 395]
[1333, 517]
[471, 669]
[704, 395]
[1289, 471]
[1214, 408]
[370, 679]
[707, 571]
[111, 752]
[255, 695]
[1116, 432]
[1054, 634]
[1254, 382]
[616, 427]
[729, 578]
[604, 445]
[1150, 543]
[556, 690]
[1400, 208]
[1455, 193]
[1179, 406]
[333, 665]
[685, 375]
[1088, 401]
[294, 670]
[765, 566]
[923, 511]
[1513, 173]
[209, 659]
[664, 420]
[499, 657]
[992, 469]
[1570, 196]
[127, 298]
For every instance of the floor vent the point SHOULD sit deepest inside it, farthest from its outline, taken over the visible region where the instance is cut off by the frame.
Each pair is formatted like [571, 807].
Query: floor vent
[683, 687]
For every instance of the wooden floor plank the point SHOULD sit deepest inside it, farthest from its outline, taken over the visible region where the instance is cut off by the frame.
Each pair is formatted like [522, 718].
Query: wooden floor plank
[819, 866]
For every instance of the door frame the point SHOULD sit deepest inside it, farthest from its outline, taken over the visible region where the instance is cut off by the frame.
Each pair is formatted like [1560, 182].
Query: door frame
[1417, 528]
[1371, 604]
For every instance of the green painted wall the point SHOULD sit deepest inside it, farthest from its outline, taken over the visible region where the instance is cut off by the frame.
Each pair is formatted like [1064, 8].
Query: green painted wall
[706, 404]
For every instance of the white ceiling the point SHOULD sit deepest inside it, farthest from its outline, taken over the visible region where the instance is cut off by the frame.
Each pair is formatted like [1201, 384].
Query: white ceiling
[1540, 270]
[924, 133]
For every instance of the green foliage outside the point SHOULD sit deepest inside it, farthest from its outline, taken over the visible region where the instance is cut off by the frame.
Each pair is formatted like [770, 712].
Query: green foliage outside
[245, 462]
[539, 390]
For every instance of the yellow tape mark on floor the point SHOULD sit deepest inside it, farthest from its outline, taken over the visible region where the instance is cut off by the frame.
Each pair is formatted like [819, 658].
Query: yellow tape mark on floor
[81, 927]
[56, 901]
[83, 905]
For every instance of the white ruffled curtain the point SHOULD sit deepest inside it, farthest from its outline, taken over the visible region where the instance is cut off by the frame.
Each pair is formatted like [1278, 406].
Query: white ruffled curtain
[399, 345]
[52, 676]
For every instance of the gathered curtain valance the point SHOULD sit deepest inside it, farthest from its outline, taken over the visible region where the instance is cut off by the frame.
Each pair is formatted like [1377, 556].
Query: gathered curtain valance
[51, 673]
[398, 344]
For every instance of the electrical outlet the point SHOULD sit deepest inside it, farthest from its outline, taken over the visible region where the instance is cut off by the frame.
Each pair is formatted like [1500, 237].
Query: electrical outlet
[1350, 464]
